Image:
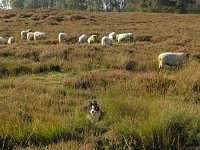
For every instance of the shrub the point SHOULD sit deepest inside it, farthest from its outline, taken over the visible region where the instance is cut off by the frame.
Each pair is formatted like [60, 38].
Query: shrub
[130, 66]
[143, 38]
[76, 17]
[55, 67]
[24, 15]
[158, 84]
[3, 70]
[95, 79]
[56, 18]
[53, 23]
[6, 53]
[7, 16]
[30, 54]
[16, 70]
[40, 68]
[55, 52]
[73, 39]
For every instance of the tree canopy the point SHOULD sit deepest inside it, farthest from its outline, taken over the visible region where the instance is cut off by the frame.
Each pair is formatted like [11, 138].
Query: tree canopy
[171, 6]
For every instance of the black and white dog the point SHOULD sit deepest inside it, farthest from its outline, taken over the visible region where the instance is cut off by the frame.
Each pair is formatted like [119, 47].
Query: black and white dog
[93, 112]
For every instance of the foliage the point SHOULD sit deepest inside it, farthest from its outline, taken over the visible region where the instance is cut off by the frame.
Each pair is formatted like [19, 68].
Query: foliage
[169, 6]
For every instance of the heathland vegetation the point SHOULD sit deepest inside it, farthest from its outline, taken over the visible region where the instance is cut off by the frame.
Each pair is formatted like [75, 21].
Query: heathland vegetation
[44, 85]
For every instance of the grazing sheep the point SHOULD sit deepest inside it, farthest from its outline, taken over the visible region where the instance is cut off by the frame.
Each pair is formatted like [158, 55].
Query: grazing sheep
[62, 37]
[30, 36]
[92, 39]
[11, 40]
[131, 37]
[106, 41]
[126, 37]
[171, 59]
[39, 36]
[2, 41]
[123, 37]
[83, 38]
[112, 36]
[24, 34]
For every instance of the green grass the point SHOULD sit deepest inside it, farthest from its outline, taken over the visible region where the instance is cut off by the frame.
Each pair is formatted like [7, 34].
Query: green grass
[143, 121]
[44, 86]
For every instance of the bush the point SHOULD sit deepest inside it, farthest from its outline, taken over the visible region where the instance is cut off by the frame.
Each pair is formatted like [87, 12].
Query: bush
[76, 17]
[55, 53]
[18, 70]
[96, 79]
[40, 68]
[7, 16]
[56, 18]
[13, 70]
[55, 67]
[143, 38]
[30, 54]
[130, 66]
[158, 84]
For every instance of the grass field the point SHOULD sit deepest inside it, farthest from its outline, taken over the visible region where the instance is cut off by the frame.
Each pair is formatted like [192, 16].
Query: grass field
[45, 85]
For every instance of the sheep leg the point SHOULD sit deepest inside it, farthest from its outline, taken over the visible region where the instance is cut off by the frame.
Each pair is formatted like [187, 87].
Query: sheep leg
[160, 65]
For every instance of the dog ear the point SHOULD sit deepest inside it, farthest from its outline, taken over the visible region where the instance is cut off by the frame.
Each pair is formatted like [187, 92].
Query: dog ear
[97, 106]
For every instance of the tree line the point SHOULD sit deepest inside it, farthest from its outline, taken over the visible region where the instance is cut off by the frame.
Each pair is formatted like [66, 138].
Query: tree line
[163, 6]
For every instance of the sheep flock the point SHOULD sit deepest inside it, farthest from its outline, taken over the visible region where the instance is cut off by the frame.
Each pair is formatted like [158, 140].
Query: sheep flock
[29, 35]
[166, 58]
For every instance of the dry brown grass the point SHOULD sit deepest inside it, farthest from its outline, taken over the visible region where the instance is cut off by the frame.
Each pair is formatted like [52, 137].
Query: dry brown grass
[44, 84]
[97, 79]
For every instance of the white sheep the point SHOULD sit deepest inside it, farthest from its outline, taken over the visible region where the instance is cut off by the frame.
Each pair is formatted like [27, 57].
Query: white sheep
[126, 37]
[39, 36]
[62, 37]
[106, 41]
[83, 38]
[11, 40]
[171, 59]
[112, 36]
[123, 37]
[131, 37]
[92, 39]
[2, 41]
[24, 34]
[30, 36]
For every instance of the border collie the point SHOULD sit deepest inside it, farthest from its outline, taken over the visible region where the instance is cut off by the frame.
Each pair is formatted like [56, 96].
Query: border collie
[93, 112]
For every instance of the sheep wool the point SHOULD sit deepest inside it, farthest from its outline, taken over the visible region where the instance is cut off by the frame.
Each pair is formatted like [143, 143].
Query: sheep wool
[30, 36]
[2, 41]
[112, 36]
[83, 38]
[106, 41]
[172, 59]
[62, 37]
[11, 40]
[123, 37]
[92, 39]
[39, 35]
[24, 34]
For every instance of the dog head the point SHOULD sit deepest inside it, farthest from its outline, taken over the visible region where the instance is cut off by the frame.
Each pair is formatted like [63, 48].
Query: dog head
[92, 108]
[93, 111]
